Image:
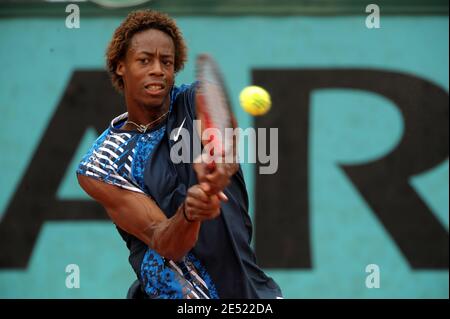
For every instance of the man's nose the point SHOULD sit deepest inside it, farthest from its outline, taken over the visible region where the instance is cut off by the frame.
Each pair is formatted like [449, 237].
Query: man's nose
[156, 69]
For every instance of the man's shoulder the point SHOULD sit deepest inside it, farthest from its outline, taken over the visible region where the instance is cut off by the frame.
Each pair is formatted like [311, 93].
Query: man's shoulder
[109, 160]
[184, 97]
[185, 88]
[111, 138]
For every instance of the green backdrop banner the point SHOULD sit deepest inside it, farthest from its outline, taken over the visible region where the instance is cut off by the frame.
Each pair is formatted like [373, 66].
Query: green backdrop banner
[344, 125]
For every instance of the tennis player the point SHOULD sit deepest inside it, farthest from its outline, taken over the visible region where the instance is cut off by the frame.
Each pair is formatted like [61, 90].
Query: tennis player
[188, 230]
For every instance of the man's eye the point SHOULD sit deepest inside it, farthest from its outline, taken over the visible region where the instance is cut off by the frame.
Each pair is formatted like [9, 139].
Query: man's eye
[168, 63]
[144, 61]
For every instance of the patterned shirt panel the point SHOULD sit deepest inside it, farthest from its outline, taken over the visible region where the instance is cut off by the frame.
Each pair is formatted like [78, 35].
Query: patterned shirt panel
[119, 157]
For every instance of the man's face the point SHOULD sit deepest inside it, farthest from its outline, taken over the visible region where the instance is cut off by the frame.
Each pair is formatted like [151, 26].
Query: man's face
[148, 68]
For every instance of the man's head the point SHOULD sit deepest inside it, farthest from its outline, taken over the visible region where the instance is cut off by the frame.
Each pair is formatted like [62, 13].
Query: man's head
[146, 51]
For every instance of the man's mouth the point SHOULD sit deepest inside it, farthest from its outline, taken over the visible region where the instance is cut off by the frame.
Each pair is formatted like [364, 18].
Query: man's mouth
[154, 88]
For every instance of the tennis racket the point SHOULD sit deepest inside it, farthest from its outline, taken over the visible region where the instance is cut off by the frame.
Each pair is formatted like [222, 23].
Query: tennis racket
[216, 122]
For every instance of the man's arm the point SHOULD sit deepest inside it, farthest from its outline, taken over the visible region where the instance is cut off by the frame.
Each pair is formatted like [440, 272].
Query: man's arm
[139, 215]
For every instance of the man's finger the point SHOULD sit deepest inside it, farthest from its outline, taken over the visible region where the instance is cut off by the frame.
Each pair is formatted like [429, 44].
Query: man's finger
[195, 204]
[198, 193]
[206, 187]
[217, 182]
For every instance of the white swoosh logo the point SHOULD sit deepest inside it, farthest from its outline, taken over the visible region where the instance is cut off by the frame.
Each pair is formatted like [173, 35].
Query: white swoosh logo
[175, 138]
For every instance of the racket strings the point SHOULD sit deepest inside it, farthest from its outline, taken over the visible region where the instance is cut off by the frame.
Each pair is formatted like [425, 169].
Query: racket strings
[213, 105]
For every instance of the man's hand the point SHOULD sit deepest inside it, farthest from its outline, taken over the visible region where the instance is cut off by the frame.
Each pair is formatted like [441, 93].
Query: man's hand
[200, 206]
[214, 177]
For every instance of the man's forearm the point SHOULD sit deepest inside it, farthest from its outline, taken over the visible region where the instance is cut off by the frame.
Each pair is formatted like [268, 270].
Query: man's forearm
[138, 215]
[174, 237]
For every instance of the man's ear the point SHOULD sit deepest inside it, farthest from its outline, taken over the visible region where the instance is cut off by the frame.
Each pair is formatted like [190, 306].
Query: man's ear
[120, 69]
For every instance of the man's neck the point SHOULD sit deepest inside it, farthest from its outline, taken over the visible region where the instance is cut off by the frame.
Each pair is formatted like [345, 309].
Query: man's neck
[144, 115]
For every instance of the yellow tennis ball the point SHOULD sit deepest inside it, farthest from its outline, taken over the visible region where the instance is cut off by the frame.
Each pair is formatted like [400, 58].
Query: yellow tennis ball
[255, 100]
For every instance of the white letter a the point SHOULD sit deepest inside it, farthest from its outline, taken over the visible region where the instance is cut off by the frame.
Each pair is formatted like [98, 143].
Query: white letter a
[73, 19]
[373, 280]
[73, 280]
[373, 19]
